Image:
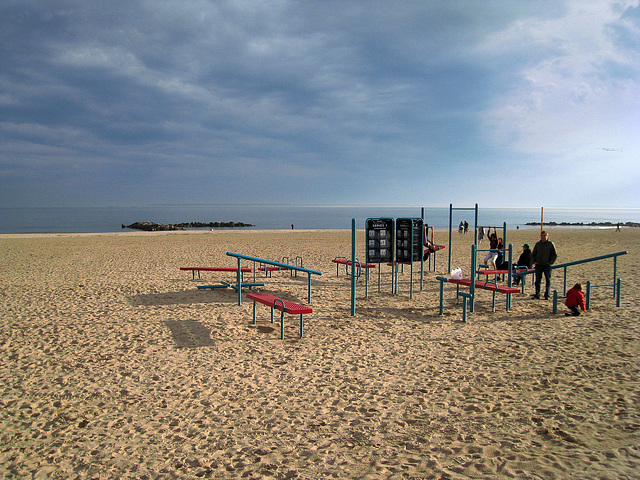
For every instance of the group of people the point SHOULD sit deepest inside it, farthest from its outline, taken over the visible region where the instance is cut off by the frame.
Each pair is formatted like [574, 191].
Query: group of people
[540, 258]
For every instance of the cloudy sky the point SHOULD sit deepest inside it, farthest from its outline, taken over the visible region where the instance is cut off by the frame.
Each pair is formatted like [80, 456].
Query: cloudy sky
[320, 102]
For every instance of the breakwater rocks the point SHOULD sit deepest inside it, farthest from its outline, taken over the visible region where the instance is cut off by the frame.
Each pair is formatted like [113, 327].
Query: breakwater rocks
[591, 224]
[159, 227]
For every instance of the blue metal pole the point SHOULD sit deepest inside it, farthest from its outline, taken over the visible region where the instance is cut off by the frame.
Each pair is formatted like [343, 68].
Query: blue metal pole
[509, 279]
[618, 292]
[239, 282]
[555, 302]
[475, 235]
[450, 230]
[464, 308]
[472, 287]
[588, 296]
[504, 239]
[353, 262]
[615, 268]
[422, 233]
[411, 260]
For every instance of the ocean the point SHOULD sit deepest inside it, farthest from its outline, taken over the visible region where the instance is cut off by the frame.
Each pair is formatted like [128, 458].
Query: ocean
[267, 217]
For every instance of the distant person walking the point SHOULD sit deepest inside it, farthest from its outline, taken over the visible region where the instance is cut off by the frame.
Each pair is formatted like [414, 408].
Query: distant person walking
[543, 255]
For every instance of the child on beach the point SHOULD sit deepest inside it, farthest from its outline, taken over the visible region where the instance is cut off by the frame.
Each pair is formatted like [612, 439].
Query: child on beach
[575, 299]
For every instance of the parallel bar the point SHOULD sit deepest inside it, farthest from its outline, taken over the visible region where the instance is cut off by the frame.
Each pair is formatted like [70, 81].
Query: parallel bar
[269, 262]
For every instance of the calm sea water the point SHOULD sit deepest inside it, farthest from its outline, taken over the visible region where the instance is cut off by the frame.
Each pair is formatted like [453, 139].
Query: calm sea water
[111, 219]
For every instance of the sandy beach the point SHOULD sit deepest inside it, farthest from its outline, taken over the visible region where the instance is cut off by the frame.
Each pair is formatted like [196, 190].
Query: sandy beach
[114, 365]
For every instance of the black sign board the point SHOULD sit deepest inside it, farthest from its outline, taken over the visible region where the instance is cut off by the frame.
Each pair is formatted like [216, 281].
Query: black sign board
[379, 234]
[406, 229]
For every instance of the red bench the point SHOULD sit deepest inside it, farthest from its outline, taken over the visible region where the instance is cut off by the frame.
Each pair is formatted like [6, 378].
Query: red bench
[284, 306]
[493, 272]
[492, 287]
[215, 269]
[343, 261]
[485, 285]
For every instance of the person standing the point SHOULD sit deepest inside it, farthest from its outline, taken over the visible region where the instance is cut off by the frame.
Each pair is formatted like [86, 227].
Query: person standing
[543, 255]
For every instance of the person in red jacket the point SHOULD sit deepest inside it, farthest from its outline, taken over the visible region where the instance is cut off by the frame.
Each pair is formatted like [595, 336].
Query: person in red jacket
[575, 299]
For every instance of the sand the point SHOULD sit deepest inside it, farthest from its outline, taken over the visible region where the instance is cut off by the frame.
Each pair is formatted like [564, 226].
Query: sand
[114, 365]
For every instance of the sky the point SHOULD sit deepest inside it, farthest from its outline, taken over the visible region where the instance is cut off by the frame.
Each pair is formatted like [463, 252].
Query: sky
[332, 102]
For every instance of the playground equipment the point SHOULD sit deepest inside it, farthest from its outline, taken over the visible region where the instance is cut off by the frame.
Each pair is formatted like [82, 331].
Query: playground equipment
[394, 242]
[564, 266]
[587, 296]
[241, 257]
[508, 290]
[279, 304]
[285, 260]
[473, 284]
[475, 227]
[433, 256]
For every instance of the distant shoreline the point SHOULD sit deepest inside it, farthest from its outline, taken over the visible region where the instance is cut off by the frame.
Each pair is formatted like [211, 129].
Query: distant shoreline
[590, 224]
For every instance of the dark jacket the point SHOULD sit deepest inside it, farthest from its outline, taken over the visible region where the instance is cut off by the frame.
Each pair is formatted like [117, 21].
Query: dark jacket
[525, 259]
[544, 253]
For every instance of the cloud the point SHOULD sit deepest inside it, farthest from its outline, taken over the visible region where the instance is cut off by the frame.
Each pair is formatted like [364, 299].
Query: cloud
[581, 76]
[200, 101]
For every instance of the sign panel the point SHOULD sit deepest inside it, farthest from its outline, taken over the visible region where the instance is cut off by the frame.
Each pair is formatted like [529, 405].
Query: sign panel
[379, 233]
[408, 233]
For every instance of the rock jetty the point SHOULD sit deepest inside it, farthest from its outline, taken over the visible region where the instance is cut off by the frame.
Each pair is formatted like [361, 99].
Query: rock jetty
[159, 227]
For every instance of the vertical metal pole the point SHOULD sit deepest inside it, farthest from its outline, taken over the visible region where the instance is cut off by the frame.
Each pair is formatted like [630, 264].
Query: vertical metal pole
[615, 268]
[555, 302]
[472, 287]
[366, 280]
[509, 279]
[441, 297]
[464, 308]
[587, 300]
[618, 292]
[504, 239]
[450, 230]
[411, 260]
[475, 235]
[353, 262]
[309, 288]
[564, 289]
[282, 324]
[239, 282]
[422, 233]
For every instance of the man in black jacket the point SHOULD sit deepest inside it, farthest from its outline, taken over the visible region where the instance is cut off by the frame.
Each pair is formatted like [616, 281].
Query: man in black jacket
[543, 256]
